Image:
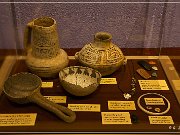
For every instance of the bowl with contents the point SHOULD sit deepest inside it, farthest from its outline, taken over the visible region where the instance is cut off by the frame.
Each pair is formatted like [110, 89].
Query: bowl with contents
[79, 81]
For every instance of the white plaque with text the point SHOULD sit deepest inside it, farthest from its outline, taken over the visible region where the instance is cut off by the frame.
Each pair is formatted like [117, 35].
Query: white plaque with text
[56, 99]
[85, 107]
[154, 101]
[153, 85]
[121, 105]
[161, 120]
[116, 118]
[21, 119]
[108, 81]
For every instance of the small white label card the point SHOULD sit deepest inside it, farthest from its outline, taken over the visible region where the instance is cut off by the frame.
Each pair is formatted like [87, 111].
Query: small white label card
[22, 119]
[116, 118]
[153, 85]
[57, 99]
[121, 105]
[85, 107]
[154, 101]
[47, 84]
[176, 84]
[161, 120]
[108, 81]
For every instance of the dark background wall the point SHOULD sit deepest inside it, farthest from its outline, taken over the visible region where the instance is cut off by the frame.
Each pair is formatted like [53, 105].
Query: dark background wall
[132, 25]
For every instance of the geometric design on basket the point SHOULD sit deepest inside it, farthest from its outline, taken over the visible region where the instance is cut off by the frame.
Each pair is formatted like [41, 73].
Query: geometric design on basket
[80, 76]
[93, 55]
[45, 46]
[114, 55]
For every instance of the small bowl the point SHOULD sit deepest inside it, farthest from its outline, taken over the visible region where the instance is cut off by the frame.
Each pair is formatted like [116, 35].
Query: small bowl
[79, 81]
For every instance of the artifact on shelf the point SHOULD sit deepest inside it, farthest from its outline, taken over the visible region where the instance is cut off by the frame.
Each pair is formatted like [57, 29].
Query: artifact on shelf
[154, 74]
[133, 89]
[154, 107]
[25, 87]
[155, 68]
[45, 58]
[134, 118]
[79, 81]
[143, 73]
[145, 65]
[101, 54]
[128, 94]
[152, 62]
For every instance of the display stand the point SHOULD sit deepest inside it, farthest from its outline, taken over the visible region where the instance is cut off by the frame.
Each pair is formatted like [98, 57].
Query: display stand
[91, 122]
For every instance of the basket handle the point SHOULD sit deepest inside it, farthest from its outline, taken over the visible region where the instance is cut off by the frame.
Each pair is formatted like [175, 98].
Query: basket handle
[27, 36]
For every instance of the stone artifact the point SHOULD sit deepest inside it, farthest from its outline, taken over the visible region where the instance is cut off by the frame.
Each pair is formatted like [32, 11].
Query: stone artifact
[143, 73]
[25, 87]
[155, 68]
[79, 81]
[154, 74]
[101, 54]
[145, 65]
[44, 56]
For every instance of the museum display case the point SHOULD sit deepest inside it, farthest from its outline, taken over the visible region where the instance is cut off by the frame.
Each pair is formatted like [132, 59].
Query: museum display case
[90, 67]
